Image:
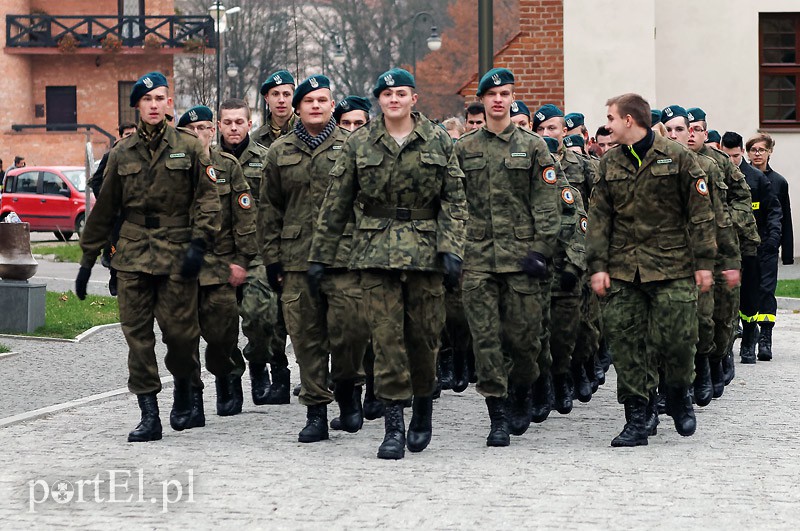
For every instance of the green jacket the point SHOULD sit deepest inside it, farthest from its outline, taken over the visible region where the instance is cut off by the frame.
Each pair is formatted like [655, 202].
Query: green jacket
[739, 200]
[408, 201]
[165, 199]
[235, 242]
[580, 172]
[512, 198]
[264, 135]
[571, 247]
[656, 219]
[253, 161]
[291, 195]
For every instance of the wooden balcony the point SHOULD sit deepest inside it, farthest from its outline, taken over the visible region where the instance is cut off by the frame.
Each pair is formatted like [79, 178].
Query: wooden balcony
[92, 34]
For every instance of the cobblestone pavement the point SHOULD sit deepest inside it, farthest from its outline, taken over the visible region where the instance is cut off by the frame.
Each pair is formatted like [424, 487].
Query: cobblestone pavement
[740, 470]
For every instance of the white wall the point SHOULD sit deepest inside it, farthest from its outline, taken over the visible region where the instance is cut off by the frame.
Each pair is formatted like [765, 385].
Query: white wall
[685, 52]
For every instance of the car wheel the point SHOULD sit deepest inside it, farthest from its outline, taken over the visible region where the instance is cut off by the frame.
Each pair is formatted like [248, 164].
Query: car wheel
[80, 222]
[62, 236]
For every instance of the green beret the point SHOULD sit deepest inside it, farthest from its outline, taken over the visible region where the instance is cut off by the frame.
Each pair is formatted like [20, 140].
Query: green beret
[396, 77]
[145, 84]
[552, 144]
[696, 114]
[574, 141]
[351, 103]
[544, 113]
[574, 119]
[518, 107]
[495, 78]
[310, 84]
[713, 136]
[655, 117]
[199, 113]
[673, 111]
[281, 77]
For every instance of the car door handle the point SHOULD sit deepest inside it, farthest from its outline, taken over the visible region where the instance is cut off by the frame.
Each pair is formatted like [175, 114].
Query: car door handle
[43, 200]
[15, 199]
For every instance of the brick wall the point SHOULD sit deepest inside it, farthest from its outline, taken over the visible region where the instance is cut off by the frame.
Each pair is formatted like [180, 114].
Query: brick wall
[535, 55]
[97, 7]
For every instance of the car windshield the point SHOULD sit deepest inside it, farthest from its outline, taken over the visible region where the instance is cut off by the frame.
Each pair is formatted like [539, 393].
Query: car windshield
[77, 178]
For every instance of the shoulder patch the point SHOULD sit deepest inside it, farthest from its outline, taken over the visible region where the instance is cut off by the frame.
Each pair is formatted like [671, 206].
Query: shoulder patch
[244, 201]
[549, 175]
[583, 223]
[212, 175]
[702, 187]
[568, 196]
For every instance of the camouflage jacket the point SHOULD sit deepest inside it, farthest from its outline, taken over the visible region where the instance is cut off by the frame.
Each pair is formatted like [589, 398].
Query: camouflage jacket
[253, 161]
[235, 242]
[512, 198]
[291, 194]
[264, 135]
[571, 247]
[739, 200]
[166, 199]
[656, 220]
[728, 254]
[408, 200]
[580, 171]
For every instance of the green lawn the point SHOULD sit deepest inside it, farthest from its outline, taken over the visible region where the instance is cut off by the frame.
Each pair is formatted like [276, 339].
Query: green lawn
[66, 316]
[64, 252]
[788, 288]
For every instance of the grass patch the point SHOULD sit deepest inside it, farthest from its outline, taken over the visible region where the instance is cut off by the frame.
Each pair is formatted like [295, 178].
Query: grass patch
[788, 288]
[65, 252]
[66, 316]
[4, 349]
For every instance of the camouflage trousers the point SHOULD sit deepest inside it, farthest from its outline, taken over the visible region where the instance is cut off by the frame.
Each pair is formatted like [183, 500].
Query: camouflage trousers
[172, 301]
[725, 316]
[456, 334]
[262, 323]
[316, 331]
[545, 360]
[565, 318]
[648, 324]
[588, 335]
[219, 326]
[406, 313]
[504, 311]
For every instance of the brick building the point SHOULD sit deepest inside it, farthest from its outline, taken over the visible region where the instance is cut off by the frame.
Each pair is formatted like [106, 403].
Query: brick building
[71, 63]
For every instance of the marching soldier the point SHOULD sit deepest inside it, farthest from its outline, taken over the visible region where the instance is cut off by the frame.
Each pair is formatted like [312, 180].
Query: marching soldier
[277, 91]
[162, 182]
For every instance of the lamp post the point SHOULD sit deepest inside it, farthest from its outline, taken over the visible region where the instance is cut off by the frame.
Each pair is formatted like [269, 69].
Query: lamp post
[218, 12]
[434, 41]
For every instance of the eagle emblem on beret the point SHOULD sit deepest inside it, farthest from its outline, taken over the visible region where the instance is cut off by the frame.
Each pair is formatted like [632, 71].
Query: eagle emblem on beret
[193, 115]
[691, 117]
[389, 80]
[313, 82]
[515, 107]
[540, 116]
[277, 79]
[668, 111]
[147, 82]
[570, 123]
[496, 79]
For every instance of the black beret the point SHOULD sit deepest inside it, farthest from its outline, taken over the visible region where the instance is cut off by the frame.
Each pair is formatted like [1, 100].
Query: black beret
[574, 141]
[351, 103]
[552, 144]
[145, 84]
[574, 119]
[673, 111]
[495, 78]
[199, 113]
[281, 77]
[310, 84]
[396, 77]
[696, 114]
[544, 113]
[518, 107]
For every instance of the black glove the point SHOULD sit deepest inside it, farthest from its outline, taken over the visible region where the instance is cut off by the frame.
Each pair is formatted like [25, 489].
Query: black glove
[239, 293]
[568, 281]
[750, 264]
[768, 247]
[112, 281]
[315, 272]
[82, 281]
[535, 264]
[274, 271]
[452, 271]
[193, 260]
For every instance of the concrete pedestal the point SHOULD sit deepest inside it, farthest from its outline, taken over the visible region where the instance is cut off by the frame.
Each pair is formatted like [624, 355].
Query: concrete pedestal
[22, 306]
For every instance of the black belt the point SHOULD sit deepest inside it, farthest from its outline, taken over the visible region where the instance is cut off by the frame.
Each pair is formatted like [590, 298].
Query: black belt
[399, 213]
[156, 222]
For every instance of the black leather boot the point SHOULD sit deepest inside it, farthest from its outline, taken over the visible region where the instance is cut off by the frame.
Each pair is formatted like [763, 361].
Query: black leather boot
[149, 428]
[563, 389]
[518, 409]
[446, 374]
[703, 390]
[604, 354]
[583, 388]
[634, 433]
[591, 375]
[498, 432]
[373, 408]
[737, 334]
[460, 371]
[394, 440]
[348, 396]
[651, 418]
[542, 398]
[599, 372]
[198, 418]
[229, 390]
[280, 390]
[316, 428]
[420, 427]
[729, 366]
[765, 343]
[679, 407]
[717, 378]
[661, 402]
[259, 379]
[747, 350]
[181, 415]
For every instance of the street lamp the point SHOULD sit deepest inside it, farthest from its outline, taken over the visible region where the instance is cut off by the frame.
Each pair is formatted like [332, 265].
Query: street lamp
[434, 40]
[219, 14]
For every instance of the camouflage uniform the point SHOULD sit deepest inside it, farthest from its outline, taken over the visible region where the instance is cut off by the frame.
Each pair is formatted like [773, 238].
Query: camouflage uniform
[262, 323]
[513, 204]
[234, 244]
[265, 136]
[167, 198]
[409, 206]
[650, 229]
[294, 186]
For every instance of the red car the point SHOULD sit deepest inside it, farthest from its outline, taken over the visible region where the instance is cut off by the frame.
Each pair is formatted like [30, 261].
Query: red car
[50, 198]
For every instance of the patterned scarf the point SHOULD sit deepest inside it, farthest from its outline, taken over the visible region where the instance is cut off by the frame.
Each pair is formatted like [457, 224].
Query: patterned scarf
[313, 141]
[151, 134]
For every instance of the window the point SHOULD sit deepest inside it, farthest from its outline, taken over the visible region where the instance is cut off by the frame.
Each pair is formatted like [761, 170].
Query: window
[779, 58]
[52, 184]
[126, 112]
[26, 182]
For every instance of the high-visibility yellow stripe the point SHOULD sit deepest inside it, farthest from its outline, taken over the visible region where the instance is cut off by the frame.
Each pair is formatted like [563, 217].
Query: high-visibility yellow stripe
[765, 318]
[748, 318]
[630, 148]
[756, 205]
